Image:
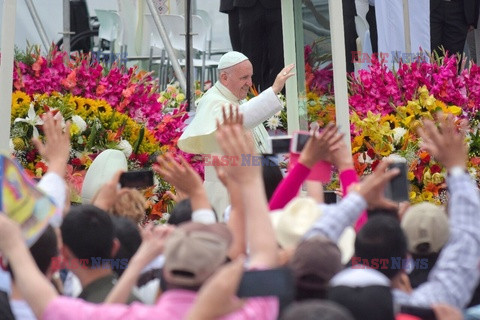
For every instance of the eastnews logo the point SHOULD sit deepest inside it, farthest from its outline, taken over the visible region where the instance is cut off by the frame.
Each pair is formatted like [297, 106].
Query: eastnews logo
[92, 263]
[396, 263]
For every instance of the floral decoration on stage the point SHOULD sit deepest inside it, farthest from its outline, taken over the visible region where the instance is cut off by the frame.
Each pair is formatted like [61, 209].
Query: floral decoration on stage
[386, 108]
[115, 108]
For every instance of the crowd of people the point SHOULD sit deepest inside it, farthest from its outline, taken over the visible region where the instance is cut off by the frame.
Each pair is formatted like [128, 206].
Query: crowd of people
[197, 268]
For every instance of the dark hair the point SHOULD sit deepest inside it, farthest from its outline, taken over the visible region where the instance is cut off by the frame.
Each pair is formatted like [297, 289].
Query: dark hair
[382, 238]
[182, 212]
[44, 250]
[88, 232]
[316, 309]
[387, 212]
[126, 231]
[272, 176]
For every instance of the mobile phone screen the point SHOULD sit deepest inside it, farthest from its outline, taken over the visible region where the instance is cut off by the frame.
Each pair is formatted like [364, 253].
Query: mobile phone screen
[301, 141]
[424, 313]
[280, 144]
[277, 282]
[397, 189]
[137, 179]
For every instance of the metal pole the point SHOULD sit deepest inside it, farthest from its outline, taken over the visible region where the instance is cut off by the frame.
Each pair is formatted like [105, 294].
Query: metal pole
[189, 57]
[6, 70]
[38, 24]
[168, 46]
[339, 69]
[289, 52]
[66, 27]
[406, 27]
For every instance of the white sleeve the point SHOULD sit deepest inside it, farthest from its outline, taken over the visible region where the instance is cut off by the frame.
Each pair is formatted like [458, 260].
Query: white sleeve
[206, 216]
[260, 108]
[54, 186]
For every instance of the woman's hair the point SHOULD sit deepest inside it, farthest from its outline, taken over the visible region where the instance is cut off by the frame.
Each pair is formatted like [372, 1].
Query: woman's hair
[130, 204]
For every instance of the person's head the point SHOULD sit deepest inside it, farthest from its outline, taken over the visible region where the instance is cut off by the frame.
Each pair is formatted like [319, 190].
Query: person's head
[127, 233]
[193, 252]
[366, 293]
[130, 203]
[272, 176]
[426, 227]
[316, 309]
[182, 212]
[315, 262]
[293, 221]
[381, 238]
[44, 250]
[235, 73]
[87, 231]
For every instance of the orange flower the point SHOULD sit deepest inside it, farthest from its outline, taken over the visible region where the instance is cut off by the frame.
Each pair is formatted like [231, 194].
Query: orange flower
[424, 156]
[433, 188]
[100, 90]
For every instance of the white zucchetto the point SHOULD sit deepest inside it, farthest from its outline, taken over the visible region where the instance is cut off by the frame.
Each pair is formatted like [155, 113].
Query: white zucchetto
[230, 59]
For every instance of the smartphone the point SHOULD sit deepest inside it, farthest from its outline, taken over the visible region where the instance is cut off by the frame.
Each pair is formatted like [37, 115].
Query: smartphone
[421, 312]
[299, 140]
[277, 282]
[330, 196]
[398, 188]
[280, 144]
[137, 179]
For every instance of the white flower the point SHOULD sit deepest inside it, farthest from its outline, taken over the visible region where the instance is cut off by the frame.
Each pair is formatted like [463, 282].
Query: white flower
[125, 147]
[398, 134]
[32, 119]
[473, 172]
[273, 122]
[79, 122]
[367, 159]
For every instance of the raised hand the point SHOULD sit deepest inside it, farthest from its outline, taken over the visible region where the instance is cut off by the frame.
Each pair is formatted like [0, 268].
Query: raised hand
[107, 194]
[282, 77]
[235, 142]
[445, 143]
[320, 146]
[56, 149]
[179, 174]
[372, 188]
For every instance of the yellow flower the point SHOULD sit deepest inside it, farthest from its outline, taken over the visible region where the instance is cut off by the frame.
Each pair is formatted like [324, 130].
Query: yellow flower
[412, 195]
[18, 143]
[20, 104]
[74, 129]
[455, 110]
[437, 178]
[357, 143]
[427, 177]
[391, 120]
[180, 97]
[410, 176]
[19, 98]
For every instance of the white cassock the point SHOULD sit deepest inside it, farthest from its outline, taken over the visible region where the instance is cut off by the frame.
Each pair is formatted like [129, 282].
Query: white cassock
[199, 136]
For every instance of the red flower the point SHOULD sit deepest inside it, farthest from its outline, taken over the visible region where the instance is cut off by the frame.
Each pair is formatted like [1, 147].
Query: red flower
[76, 162]
[435, 169]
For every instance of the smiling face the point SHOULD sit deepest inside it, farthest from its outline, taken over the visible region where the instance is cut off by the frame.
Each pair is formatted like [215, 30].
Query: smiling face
[238, 78]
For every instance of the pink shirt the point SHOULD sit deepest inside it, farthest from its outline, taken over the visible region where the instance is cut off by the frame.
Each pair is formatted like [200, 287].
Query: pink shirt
[173, 304]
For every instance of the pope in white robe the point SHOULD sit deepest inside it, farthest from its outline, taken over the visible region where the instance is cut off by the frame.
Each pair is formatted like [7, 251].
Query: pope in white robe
[235, 80]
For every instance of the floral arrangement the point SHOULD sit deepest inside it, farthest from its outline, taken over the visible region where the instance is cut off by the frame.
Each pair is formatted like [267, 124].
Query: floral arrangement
[376, 136]
[109, 108]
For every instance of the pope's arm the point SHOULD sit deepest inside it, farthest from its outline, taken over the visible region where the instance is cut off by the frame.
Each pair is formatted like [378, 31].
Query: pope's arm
[260, 108]
[199, 136]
